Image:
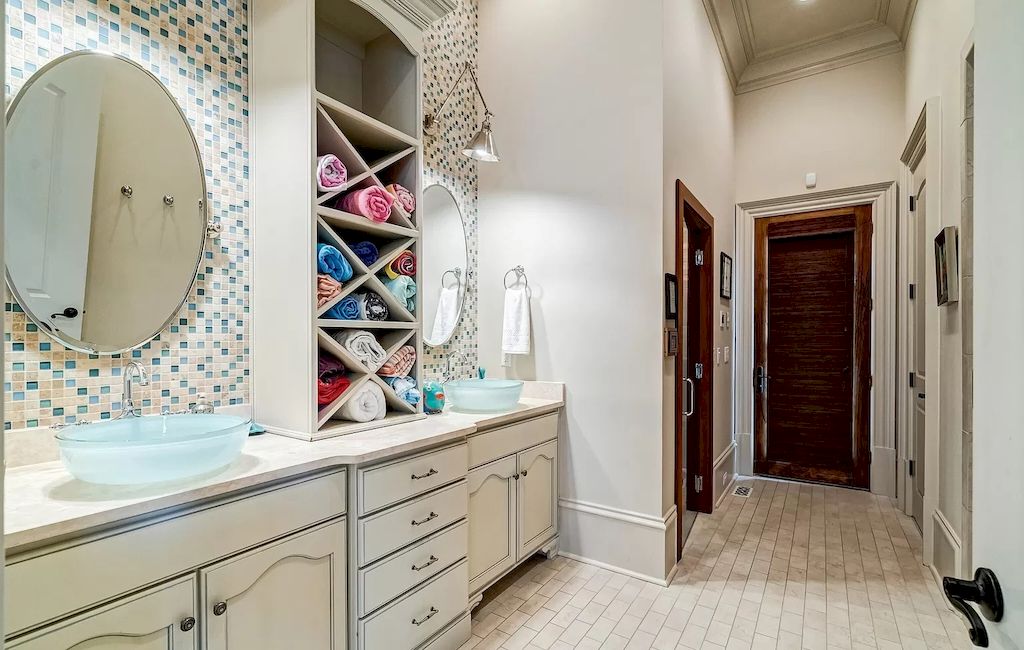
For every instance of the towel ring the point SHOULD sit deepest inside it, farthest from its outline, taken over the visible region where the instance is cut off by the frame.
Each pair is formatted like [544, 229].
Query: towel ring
[520, 277]
[457, 273]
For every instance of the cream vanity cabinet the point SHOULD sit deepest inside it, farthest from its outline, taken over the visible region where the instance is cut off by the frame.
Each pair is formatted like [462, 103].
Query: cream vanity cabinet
[263, 569]
[513, 492]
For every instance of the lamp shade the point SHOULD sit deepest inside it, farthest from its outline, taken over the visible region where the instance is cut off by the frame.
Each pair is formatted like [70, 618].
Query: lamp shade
[481, 147]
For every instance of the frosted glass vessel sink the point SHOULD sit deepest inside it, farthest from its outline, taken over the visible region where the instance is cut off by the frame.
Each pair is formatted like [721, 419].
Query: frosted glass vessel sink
[483, 395]
[152, 448]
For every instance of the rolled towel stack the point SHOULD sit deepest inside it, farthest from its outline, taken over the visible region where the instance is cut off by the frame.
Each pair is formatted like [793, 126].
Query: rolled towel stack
[372, 202]
[326, 289]
[331, 380]
[405, 388]
[405, 198]
[404, 264]
[372, 306]
[366, 405]
[331, 174]
[346, 309]
[366, 251]
[331, 262]
[363, 346]
[400, 363]
[404, 289]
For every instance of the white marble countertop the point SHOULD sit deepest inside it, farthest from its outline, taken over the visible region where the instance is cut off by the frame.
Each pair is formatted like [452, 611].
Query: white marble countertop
[44, 502]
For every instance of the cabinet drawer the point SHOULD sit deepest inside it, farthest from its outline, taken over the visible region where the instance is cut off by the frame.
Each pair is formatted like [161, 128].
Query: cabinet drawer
[396, 575]
[392, 529]
[492, 445]
[68, 578]
[390, 483]
[454, 637]
[417, 617]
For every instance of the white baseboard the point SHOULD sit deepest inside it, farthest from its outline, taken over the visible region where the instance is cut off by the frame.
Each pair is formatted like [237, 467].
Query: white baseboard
[745, 453]
[632, 543]
[883, 471]
[724, 473]
[946, 548]
[664, 582]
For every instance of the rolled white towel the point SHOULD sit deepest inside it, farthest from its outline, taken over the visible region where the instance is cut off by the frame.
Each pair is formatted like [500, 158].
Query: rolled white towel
[366, 404]
[363, 346]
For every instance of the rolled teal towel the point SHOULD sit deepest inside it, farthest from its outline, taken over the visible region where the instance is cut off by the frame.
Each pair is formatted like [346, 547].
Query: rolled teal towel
[405, 388]
[366, 252]
[404, 289]
[329, 260]
[346, 309]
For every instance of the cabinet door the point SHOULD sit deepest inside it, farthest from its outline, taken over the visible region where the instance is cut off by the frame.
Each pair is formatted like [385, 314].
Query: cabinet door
[162, 618]
[492, 521]
[538, 496]
[290, 594]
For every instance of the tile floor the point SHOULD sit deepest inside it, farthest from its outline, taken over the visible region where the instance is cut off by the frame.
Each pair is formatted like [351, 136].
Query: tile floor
[792, 566]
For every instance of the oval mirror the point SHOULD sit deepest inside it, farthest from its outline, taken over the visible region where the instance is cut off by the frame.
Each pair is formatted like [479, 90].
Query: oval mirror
[445, 261]
[105, 203]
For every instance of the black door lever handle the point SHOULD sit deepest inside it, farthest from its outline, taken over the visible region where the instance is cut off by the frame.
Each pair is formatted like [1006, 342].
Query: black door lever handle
[983, 590]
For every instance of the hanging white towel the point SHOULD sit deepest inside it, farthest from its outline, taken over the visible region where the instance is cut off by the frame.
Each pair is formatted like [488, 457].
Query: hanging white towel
[447, 314]
[515, 333]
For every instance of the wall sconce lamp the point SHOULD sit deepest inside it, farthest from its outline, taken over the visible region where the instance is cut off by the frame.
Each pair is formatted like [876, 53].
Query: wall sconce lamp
[481, 147]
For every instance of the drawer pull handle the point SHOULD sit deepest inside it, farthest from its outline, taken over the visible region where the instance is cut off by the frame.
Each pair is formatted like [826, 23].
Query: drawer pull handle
[424, 566]
[433, 515]
[428, 474]
[430, 615]
[220, 608]
[188, 624]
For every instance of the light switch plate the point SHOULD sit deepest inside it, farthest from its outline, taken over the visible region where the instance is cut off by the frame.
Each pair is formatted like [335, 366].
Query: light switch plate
[726, 354]
[718, 356]
[811, 181]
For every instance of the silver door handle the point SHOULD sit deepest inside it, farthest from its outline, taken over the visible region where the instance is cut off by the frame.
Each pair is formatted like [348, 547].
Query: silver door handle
[690, 392]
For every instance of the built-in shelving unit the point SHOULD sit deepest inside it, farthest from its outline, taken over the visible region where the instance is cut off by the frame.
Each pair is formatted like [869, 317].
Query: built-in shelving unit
[352, 91]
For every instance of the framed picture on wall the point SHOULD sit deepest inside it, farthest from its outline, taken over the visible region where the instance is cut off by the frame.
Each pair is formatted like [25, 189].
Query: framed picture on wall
[671, 297]
[947, 281]
[725, 279]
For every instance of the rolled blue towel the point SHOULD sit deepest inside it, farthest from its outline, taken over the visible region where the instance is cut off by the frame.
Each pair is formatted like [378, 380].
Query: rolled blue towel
[346, 309]
[366, 251]
[405, 388]
[404, 289]
[329, 260]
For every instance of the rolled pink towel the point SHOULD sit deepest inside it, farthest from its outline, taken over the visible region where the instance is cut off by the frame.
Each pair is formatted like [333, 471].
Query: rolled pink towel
[406, 199]
[400, 363]
[371, 202]
[330, 173]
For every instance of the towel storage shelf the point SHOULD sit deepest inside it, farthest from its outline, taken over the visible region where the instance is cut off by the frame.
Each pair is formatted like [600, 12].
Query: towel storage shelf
[340, 77]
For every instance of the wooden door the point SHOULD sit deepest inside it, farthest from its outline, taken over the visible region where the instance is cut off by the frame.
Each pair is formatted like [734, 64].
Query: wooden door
[492, 521]
[290, 594]
[812, 346]
[537, 496]
[162, 618]
[920, 250]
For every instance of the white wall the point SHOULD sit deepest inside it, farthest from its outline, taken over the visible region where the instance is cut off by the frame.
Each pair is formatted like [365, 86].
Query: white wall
[934, 52]
[846, 125]
[576, 88]
[699, 151]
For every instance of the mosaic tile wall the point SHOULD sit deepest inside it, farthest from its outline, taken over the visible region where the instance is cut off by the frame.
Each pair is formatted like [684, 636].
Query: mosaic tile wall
[199, 50]
[448, 45]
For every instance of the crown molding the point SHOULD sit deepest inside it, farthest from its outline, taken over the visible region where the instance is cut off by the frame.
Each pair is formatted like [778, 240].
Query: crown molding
[423, 13]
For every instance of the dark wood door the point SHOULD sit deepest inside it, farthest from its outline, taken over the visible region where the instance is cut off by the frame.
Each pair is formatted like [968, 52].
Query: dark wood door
[812, 310]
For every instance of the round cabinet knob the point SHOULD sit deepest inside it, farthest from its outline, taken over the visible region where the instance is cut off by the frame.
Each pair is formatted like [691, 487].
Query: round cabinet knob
[188, 624]
[220, 608]
[127, 191]
[524, 472]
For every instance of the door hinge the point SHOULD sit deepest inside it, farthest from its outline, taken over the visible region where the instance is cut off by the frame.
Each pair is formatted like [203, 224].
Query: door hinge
[698, 258]
[698, 484]
[912, 292]
[871, 381]
[910, 377]
[910, 467]
[698, 370]
[912, 200]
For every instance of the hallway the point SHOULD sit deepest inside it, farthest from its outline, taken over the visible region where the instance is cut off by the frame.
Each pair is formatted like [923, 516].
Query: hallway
[791, 566]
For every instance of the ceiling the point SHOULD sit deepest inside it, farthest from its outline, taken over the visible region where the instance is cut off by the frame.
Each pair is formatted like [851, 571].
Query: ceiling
[767, 42]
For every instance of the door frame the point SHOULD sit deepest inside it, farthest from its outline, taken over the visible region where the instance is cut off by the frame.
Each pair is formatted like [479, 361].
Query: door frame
[883, 199]
[855, 219]
[699, 448]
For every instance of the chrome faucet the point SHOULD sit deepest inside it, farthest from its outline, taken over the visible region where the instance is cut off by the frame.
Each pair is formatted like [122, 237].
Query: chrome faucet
[450, 374]
[132, 370]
